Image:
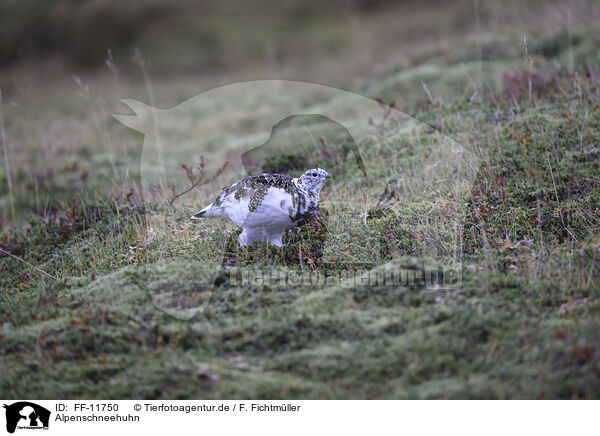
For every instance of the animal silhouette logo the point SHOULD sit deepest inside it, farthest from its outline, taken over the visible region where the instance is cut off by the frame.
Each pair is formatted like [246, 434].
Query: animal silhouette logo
[26, 415]
[288, 127]
[331, 148]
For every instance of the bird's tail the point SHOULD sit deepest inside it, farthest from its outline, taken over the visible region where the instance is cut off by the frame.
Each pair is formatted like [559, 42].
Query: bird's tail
[203, 213]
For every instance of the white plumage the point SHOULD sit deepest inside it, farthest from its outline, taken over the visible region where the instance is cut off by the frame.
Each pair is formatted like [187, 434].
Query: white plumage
[266, 205]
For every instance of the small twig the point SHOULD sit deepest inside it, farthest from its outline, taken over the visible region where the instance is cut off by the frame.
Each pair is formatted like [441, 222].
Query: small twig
[6, 164]
[139, 60]
[195, 180]
[557, 200]
[427, 91]
[387, 110]
[27, 263]
[102, 135]
[530, 60]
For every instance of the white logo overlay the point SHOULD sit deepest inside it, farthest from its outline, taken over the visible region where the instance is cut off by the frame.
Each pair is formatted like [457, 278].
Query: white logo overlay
[391, 214]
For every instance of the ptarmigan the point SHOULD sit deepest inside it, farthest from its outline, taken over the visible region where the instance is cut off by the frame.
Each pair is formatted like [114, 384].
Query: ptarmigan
[266, 205]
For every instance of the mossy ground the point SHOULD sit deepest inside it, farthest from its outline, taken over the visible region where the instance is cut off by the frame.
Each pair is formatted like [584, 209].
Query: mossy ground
[524, 322]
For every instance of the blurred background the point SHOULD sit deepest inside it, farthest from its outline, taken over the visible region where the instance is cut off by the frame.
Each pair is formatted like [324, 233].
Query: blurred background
[310, 40]
[65, 65]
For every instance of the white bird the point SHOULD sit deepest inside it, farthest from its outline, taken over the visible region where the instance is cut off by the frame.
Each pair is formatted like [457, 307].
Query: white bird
[266, 205]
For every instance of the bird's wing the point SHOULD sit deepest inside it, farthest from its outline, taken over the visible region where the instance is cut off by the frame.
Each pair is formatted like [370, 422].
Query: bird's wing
[247, 193]
[253, 188]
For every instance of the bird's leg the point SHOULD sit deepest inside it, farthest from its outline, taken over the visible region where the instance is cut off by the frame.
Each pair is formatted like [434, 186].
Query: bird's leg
[243, 239]
[276, 239]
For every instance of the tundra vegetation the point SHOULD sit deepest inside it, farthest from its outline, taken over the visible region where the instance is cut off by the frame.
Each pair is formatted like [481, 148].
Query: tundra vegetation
[84, 255]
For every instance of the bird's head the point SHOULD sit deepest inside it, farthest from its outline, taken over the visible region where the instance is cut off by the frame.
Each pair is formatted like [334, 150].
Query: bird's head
[314, 178]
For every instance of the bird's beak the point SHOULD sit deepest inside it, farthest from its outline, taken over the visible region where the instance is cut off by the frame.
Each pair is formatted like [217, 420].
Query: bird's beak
[328, 176]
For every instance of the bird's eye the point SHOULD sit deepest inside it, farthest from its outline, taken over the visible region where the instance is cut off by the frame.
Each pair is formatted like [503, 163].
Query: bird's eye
[314, 174]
